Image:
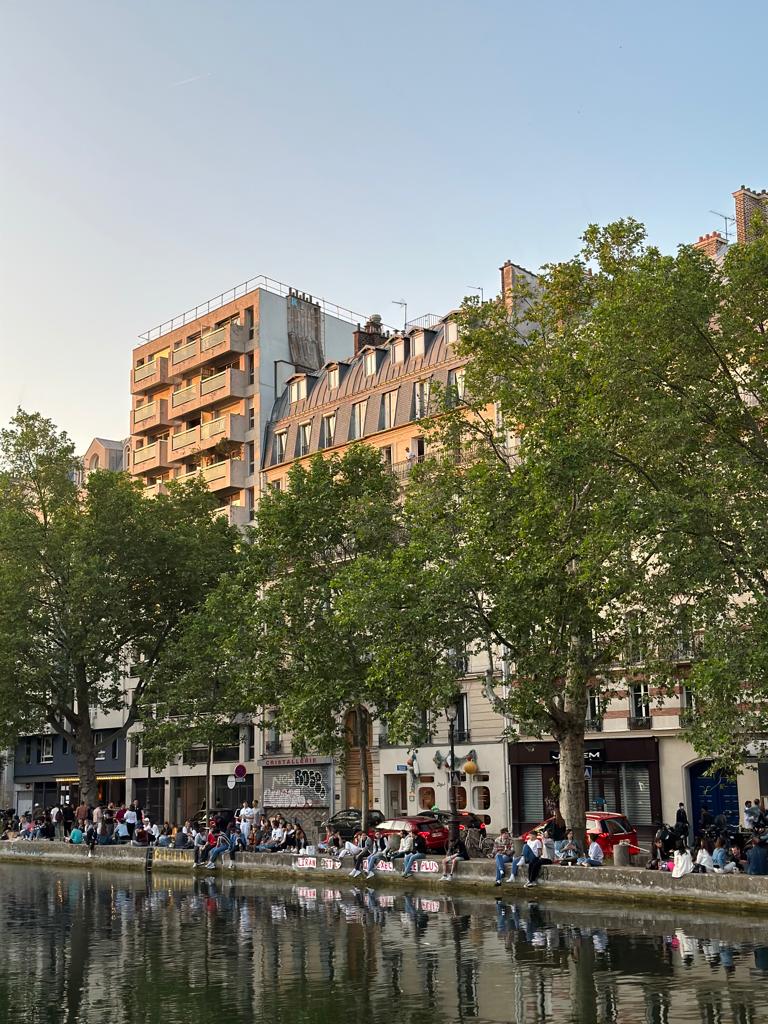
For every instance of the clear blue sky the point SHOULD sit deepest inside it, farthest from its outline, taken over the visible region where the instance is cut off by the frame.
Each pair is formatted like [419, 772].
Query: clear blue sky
[155, 153]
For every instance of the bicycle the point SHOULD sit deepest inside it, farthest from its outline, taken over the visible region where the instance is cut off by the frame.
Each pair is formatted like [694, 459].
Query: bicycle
[478, 843]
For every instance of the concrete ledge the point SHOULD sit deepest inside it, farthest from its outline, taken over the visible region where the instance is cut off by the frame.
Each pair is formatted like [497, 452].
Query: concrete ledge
[638, 885]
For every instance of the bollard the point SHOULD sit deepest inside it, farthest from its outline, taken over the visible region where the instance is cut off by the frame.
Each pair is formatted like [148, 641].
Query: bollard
[621, 855]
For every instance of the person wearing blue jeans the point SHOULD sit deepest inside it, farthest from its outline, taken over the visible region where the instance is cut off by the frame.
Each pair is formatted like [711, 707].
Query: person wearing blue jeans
[419, 850]
[224, 844]
[503, 853]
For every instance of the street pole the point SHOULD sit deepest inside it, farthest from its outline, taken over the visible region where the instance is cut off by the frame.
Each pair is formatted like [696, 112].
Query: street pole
[451, 713]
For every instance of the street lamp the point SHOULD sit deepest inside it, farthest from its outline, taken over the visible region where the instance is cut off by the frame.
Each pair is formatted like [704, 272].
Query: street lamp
[452, 713]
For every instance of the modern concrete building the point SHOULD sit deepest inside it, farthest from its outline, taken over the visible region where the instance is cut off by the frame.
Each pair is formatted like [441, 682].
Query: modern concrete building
[203, 386]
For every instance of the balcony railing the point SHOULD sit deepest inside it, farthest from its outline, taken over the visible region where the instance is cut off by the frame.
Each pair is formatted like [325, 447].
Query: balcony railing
[183, 352]
[213, 427]
[145, 454]
[184, 438]
[143, 412]
[213, 338]
[687, 717]
[636, 723]
[184, 395]
[273, 747]
[146, 370]
[593, 725]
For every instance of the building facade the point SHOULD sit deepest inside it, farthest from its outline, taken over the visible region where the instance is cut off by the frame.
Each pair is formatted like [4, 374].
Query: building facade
[203, 387]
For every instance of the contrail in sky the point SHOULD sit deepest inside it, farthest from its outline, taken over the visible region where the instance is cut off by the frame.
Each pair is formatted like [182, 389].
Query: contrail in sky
[187, 81]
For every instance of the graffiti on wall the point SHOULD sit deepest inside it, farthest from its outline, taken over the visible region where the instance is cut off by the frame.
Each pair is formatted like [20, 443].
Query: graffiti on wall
[296, 787]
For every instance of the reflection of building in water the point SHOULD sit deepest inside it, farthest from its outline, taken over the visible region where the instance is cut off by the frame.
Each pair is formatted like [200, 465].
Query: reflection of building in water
[98, 948]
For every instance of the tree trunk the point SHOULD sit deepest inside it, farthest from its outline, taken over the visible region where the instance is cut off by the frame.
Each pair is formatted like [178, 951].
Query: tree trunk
[572, 806]
[362, 743]
[85, 755]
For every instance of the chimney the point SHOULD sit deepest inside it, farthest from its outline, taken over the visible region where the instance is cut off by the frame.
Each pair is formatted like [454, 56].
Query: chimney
[712, 245]
[748, 203]
[371, 334]
[512, 276]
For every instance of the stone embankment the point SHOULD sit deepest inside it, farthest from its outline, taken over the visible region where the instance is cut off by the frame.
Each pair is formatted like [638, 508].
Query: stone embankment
[727, 892]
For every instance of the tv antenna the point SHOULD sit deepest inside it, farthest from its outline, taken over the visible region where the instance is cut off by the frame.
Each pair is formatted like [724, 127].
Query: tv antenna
[726, 222]
[477, 288]
[404, 306]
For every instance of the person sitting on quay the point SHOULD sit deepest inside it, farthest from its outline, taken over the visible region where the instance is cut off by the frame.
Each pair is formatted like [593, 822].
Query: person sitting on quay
[76, 835]
[570, 850]
[455, 851]
[384, 848]
[757, 858]
[405, 846]
[532, 856]
[704, 862]
[276, 839]
[103, 838]
[503, 853]
[365, 850]
[226, 842]
[300, 841]
[682, 860]
[418, 853]
[352, 847]
[595, 855]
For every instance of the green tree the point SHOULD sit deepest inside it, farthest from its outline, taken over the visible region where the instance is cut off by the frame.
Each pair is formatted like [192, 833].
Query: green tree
[296, 641]
[94, 584]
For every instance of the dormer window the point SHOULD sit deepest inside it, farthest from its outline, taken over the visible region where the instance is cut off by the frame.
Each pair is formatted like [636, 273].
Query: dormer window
[279, 451]
[298, 389]
[398, 351]
[371, 362]
[333, 378]
[417, 343]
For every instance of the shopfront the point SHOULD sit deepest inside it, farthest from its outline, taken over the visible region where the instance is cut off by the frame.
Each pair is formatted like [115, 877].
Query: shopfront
[299, 788]
[620, 775]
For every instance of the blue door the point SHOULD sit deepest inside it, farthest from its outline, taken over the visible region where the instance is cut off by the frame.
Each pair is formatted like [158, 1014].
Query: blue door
[718, 792]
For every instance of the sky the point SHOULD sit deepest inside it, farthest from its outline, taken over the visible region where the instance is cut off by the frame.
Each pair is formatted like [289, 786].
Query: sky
[154, 154]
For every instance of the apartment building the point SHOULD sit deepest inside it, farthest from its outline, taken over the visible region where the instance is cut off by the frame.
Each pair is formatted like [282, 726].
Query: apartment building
[203, 386]
[380, 394]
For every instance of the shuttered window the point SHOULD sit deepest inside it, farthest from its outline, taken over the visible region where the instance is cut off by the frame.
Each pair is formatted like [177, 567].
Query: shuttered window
[533, 793]
[636, 793]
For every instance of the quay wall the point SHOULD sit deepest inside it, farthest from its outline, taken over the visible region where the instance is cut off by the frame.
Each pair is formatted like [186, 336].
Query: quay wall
[728, 892]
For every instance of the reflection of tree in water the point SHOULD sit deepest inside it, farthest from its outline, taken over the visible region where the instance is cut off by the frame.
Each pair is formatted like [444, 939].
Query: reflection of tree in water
[89, 947]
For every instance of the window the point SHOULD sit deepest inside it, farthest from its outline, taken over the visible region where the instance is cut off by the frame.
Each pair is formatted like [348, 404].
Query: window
[115, 749]
[462, 719]
[328, 430]
[639, 702]
[101, 753]
[594, 710]
[426, 798]
[251, 417]
[456, 385]
[421, 398]
[305, 435]
[248, 315]
[417, 343]
[481, 798]
[370, 363]
[461, 798]
[278, 454]
[398, 351]
[388, 409]
[250, 368]
[230, 748]
[28, 751]
[333, 378]
[357, 422]
[386, 455]
[46, 749]
[251, 753]
[251, 450]
[134, 753]
[275, 485]
[64, 746]
[298, 390]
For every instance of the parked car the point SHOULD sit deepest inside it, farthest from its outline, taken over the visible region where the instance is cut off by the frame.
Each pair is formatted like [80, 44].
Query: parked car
[466, 819]
[611, 829]
[433, 832]
[348, 822]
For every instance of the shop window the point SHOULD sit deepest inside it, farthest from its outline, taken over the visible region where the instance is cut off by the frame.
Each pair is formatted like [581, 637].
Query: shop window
[481, 798]
[461, 798]
[426, 798]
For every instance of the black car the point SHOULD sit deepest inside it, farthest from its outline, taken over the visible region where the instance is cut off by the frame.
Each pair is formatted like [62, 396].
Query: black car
[466, 819]
[347, 822]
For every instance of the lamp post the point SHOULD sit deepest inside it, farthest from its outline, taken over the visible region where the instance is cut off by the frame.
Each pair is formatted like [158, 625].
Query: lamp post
[451, 713]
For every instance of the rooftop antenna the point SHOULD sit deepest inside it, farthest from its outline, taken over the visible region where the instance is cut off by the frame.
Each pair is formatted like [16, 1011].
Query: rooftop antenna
[477, 288]
[726, 221]
[404, 306]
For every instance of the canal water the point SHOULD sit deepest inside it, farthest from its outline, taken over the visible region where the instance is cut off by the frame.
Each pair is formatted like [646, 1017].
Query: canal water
[100, 948]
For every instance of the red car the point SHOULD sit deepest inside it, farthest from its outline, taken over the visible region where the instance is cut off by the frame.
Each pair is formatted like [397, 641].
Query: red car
[434, 833]
[466, 819]
[611, 829]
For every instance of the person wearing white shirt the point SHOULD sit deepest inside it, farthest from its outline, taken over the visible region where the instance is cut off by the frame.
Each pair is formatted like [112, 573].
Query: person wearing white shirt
[704, 862]
[683, 862]
[595, 855]
[245, 816]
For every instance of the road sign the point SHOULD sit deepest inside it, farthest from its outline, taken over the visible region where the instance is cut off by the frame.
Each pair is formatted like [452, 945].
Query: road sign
[231, 782]
[240, 771]
[588, 772]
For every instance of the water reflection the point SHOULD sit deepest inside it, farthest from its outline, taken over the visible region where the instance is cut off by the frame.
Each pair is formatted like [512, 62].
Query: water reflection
[92, 948]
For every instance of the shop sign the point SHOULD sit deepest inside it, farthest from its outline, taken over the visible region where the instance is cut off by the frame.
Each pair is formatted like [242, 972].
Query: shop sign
[592, 755]
[402, 767]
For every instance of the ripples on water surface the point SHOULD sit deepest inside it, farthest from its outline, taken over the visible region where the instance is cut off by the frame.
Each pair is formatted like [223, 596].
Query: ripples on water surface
[106, 949]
